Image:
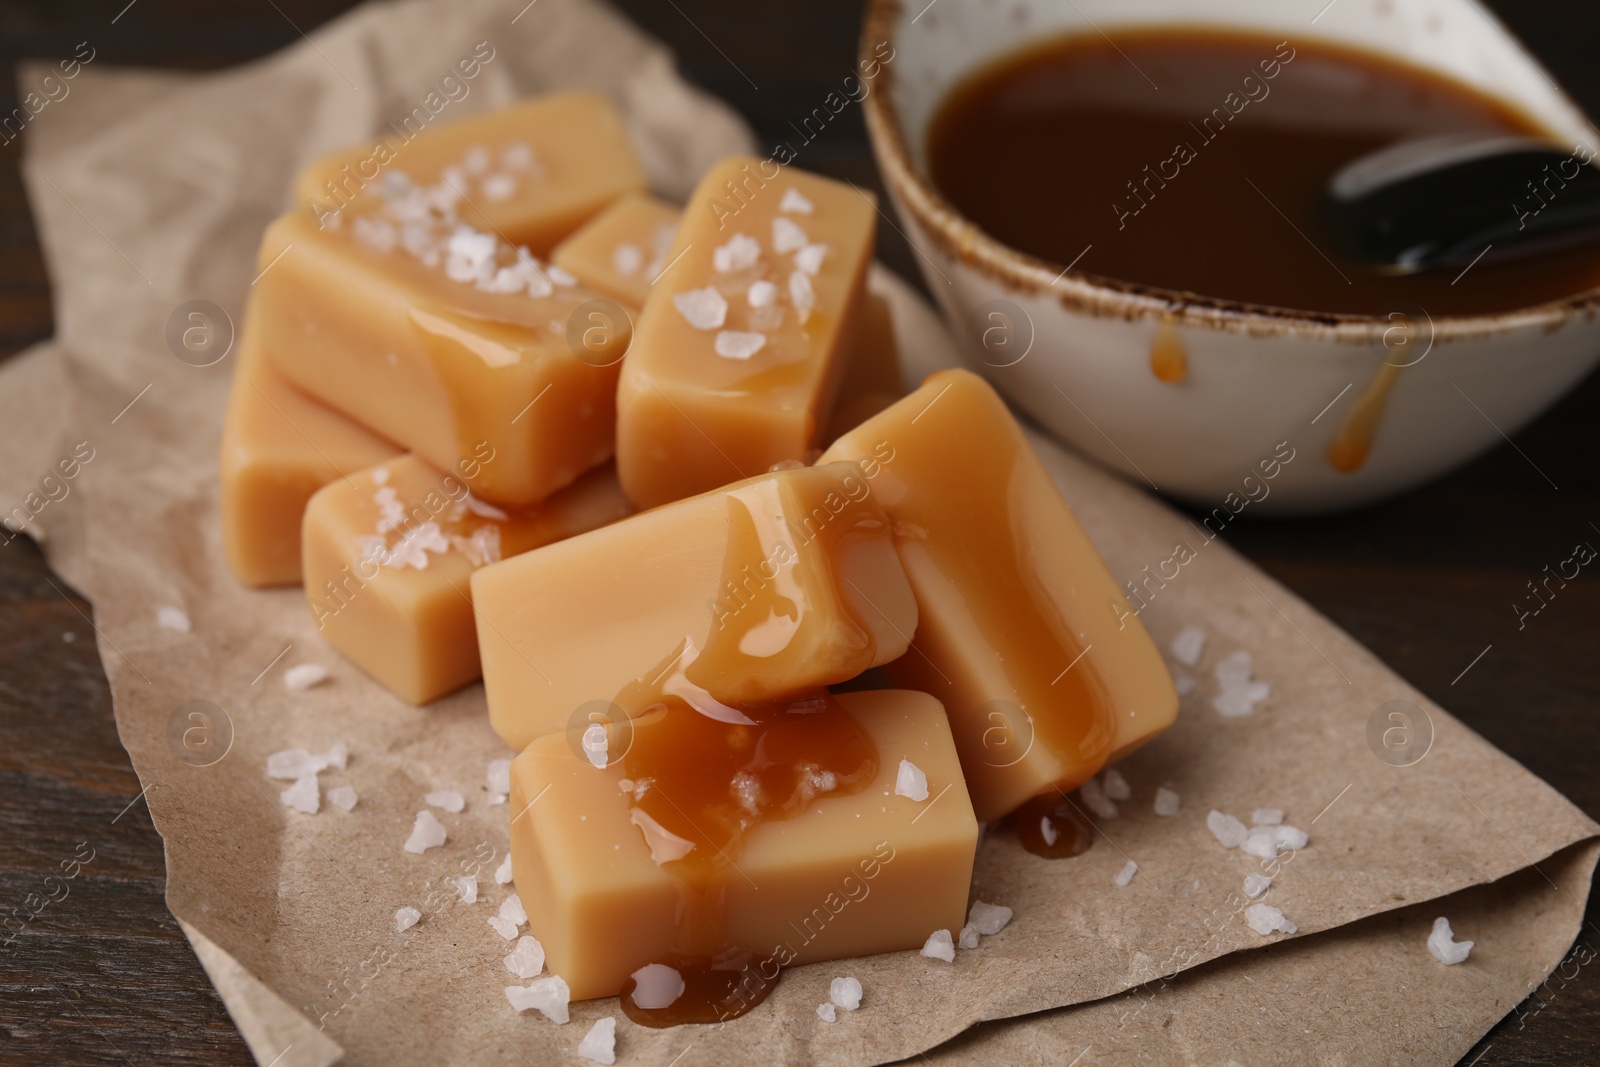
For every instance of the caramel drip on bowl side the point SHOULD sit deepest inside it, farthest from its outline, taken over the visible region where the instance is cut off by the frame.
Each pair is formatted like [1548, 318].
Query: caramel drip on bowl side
[1352, 444]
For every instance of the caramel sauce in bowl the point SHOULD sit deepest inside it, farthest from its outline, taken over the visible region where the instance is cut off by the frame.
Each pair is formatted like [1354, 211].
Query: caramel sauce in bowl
[1187, 350]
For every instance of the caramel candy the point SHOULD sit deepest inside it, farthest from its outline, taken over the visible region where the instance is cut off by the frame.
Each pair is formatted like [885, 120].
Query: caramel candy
[389, 556]
[785, 581]
[844, 869]
[279, 446]
[739, 350]
[1044, 669]
[622, 250]
[872, 377]
[442, 339]
[532, 173]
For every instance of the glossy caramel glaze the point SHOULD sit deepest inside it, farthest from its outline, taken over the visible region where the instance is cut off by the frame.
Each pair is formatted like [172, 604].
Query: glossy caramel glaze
[1051, 826]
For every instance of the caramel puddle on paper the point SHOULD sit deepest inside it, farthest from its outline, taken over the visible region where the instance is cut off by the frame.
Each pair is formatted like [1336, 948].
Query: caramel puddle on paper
[1353, 443]
[1052, 826]
[1169, 360]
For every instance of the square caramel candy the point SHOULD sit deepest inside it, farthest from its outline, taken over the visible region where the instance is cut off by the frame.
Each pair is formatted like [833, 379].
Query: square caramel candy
[279, 447]
[779, 583]
[531, 173]
[1045, 671]
[445, 340]
[859, 868]
[621, 251]
[389, 556]
[741, 345]
[872, 376]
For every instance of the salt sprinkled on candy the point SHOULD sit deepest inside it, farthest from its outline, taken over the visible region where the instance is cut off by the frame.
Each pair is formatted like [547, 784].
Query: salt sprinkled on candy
[787, 237]
[762, 294]
[940, 946]
[499, 776]
[1167, 802]
[988, 919]
[342, 797]
[445, 799]
[174, 619]
[740, 253]
[739, 344]
[795, 203]
[596, 746]
[657, 986]
[1116, 786]
[1238, 694]
[600, 1043]
[427, 832]
[476, 159]
[968, 937]
[1095, 799]
[303, 795]
[1267, 816]
[549, 995]
[527, 959]
[380, 476]
[1256, 884]
[560, 276]
[1125, 875]
[467, 887]
[499, 187]
[1265, 919]
[405, 919]
[1226, 829]
[826, 1012]
[504, 927]
[704, 309]
[502, 873]
[802, 295]
[511, 908]
[910, 781]
[1442, 943]
[304, 676]
[1188, 645]
[809, 258]
[845, 992]
[628, 259]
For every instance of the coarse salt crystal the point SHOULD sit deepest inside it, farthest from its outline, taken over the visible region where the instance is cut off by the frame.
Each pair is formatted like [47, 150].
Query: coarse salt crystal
[337, 756]
[499, 776]
[499, 187]
[445, 799]
[427, 832]
[1188, 645]
[1183, 683]
[560, 276]
[1267, 841]
[511, 908]
[795, 203]
[968, 937]
[1116, 786]
[809, 258]
[910, 781]
[741, 252]
[550, 995]
[657, 986]
[1267, 816]
[342, 797]
[517, 155]
[1444, 946]
[380, 476]
[1226, 829]
[988, 919]
[1167, 802]
[1238, 694]
[845, 992]
[600, 1043]
[665, 846]
[628, 259]
[502, 873]
[704, 309]
[1256, 884]
[174, 619]
[787, 237]
[940, 946]
[305, 675]
[762, 294]
[802, 295]
[303, 795]
[466, 888]
[291, 763]
[595, 745]
[739, 344]
[476, 160]
[406, 918]
[1095, 799]
[1125, 875]
[1265, 919]
[527, 959]
[827, 1012]
[504, 927]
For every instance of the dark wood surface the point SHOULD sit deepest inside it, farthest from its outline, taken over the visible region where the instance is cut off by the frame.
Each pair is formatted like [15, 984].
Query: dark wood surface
[105, 975]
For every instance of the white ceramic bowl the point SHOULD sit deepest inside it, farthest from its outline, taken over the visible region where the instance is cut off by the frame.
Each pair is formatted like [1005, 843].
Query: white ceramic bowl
[1260, 381]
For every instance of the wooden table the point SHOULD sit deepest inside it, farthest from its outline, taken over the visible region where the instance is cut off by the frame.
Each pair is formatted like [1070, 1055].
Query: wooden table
[105, 975]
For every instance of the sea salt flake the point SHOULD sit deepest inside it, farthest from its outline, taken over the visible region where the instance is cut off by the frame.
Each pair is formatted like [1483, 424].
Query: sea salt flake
[1442, 943]
[1226, 829]
[1047, 829]
[739, 344]
[1264, 919]
[1125, 875]
[1256, 884]
[1184, 683]
[305, 675]
[342, 797]
[665, 846]
[988, 919]
[787, 237]
[910, 781]
[338, 755]
[291, 763]
[794, 202]
[1167, 802]
[845, 992]
[968, 937]
[445, 800]
[499, 776]
[628, 259]
[657, 986]
[809, 258]
[1094, 798]
[527, 959]
[827, 1012]
[303, 795]
[595, 745]
[1261, 841]
[802, 295]
[476, 160]
[704, 309]
[600, 1043]
[406, 918]
[427, 832]
[511, 908]
[940, 946]
[174, 619]
[560, 276]
[1116, 786]
[504, 927]
[1188, 645]
[550, 995]
[1238, 693]
[1267, 817]
[466, 888]
[502, 873]
[517, 156]
[762, 294]
[497, 187]
[740, 253]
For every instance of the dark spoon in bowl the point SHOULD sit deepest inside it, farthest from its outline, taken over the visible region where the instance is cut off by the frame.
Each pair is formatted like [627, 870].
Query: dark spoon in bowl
[1449, 201]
